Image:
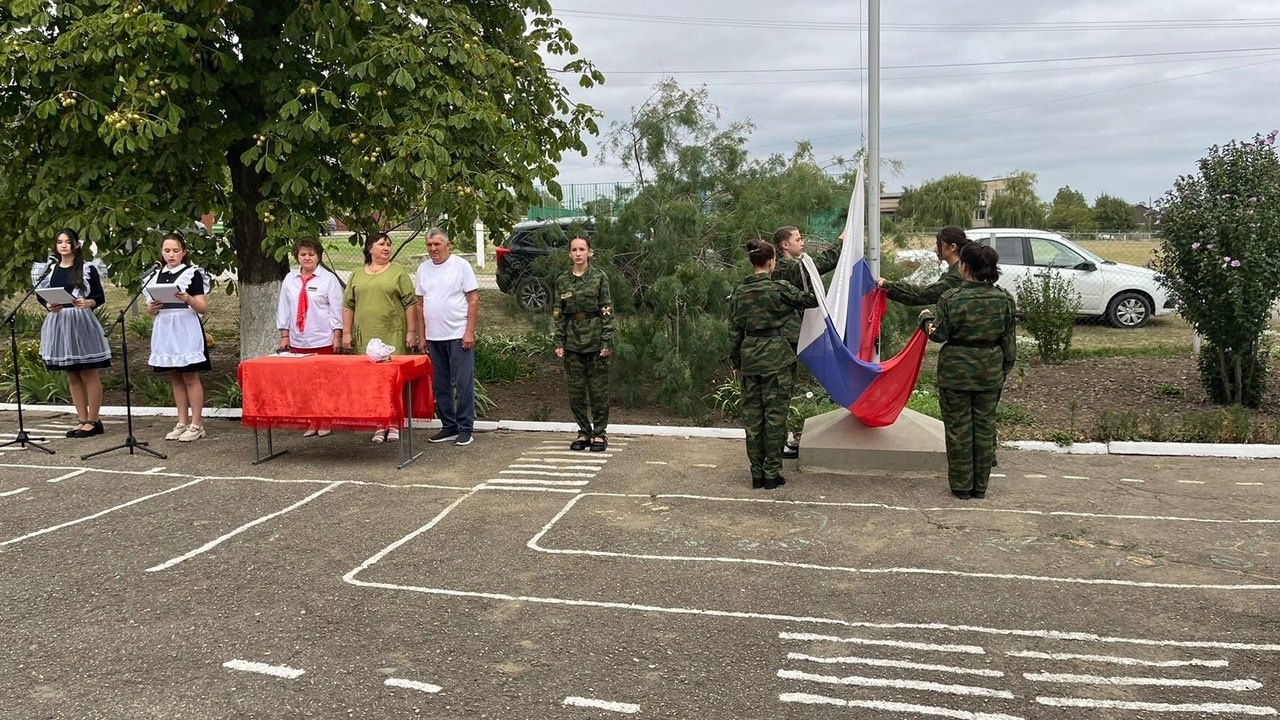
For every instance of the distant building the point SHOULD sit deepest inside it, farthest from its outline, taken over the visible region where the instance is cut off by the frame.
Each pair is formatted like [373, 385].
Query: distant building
[889, 202]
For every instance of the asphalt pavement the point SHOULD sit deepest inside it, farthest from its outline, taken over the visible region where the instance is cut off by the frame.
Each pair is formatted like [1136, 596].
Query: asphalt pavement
[514, 578]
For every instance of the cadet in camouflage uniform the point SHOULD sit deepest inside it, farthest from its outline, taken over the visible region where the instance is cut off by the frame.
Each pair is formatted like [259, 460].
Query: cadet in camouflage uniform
[582, 315]
[950, 240]
[764, 360]
[790, 246]
[975, 324]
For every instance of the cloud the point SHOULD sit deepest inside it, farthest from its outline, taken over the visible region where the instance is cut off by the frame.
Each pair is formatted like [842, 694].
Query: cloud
[958, 94]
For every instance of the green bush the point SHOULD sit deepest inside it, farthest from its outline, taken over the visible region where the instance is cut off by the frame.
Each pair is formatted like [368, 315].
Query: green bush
[1220, 258]
[1113, 425]
[39, 385]
[1048, 304]
[228, 395]
[500, 358]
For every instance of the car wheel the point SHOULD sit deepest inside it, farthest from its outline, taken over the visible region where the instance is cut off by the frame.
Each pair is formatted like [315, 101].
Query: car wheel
[532, 294]
[1129, 310]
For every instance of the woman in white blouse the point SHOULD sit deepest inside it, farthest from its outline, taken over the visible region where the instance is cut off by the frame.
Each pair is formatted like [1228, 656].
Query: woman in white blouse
[310, 313]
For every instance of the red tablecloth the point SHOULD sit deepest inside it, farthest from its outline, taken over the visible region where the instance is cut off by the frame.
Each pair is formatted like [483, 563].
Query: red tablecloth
[345, 392]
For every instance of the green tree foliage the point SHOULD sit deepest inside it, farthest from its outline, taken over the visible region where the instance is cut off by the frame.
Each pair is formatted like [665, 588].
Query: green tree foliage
[1017, 205]
[1070, 211]
[120, 118]
[950, 200]
[1048, 304]
[1220, 256]
[1113, 213]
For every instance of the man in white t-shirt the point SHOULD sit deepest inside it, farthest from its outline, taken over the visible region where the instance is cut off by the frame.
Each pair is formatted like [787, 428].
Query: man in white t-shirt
[450, 299]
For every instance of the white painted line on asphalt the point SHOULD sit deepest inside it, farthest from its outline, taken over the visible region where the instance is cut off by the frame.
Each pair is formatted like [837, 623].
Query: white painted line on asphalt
[704, 465]
[154, 470]
[1074, 477]
[280, 671]
[580, 459]
[593, 468]
[252, 523]
[1117, 660]
[412, 685]
[1034, 476]
[1250, 483]
[898, 707]
[546, 472]
[1132, 480]
[14, 492]
[538, 481]
[621, 707]
[527, 488]
[569, 453]
[1157, 707]
[998, 475]
[99, 514]
[932, 647]
[1191, 482]
[612, 443]
[1072, 679]
[534, 543]
[898, 684]
[68, 476]
[253, 478]
[654, 462]
[901, 664]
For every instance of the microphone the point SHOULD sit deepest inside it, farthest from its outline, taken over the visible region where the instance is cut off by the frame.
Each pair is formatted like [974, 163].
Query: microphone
[51, 260]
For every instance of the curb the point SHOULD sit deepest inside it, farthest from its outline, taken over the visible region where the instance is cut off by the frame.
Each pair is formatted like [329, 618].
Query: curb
[1223, 450]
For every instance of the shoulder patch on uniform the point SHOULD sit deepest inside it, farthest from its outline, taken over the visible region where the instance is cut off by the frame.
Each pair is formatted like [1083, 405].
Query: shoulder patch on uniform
[566, 295]
[606, 311]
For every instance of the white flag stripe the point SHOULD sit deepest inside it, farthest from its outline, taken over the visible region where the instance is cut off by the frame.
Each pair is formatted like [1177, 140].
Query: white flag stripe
[628, 708]
[902, 664]
[1235, 685]
[898, 707]
[860, 681]
[282, 671]
[814, 637]
[1118, 660]
[546, 472]
[1158, 707]
[413, 685]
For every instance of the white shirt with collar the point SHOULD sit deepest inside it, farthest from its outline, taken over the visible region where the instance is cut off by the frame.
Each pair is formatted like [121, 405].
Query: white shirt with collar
[324, 309]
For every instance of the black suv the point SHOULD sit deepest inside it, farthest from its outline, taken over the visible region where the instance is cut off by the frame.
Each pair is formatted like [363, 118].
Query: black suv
[528, 241]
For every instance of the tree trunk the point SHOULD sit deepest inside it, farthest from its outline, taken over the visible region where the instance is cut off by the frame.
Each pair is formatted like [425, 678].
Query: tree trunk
[258, 274]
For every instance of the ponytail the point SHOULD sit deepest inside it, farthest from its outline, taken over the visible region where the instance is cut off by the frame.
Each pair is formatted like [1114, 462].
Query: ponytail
[759, 252]
[982, 261]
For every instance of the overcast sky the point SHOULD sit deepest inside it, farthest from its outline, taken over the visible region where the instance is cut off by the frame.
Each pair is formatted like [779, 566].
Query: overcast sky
[961, 91]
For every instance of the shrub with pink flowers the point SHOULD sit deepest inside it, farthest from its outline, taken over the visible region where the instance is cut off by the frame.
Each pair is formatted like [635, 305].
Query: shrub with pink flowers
[1220, 256]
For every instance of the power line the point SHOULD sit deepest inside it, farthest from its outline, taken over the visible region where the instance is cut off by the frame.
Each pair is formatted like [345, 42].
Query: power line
[1029, 61]
[991, 27]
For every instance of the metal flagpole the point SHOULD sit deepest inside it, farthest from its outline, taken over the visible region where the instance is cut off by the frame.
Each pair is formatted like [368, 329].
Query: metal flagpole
[873, 142]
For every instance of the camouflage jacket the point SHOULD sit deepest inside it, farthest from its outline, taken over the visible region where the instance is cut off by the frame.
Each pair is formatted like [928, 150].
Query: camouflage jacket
[582, 311]
[908, 294]
[976, 325]
[793, 272]
[758, 309]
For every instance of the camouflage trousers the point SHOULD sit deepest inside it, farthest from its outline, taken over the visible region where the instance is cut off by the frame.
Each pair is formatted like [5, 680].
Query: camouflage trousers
[587, 375]
[766, 401]
[969, 419]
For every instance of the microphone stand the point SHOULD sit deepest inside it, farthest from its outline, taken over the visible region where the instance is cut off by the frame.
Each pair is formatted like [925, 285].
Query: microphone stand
[22, 438]
[130, 441]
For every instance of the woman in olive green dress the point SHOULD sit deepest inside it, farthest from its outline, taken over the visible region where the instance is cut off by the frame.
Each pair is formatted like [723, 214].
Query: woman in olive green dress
[379, 302]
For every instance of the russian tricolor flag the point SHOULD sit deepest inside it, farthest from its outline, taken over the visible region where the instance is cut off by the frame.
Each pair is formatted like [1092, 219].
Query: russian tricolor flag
[838, 338]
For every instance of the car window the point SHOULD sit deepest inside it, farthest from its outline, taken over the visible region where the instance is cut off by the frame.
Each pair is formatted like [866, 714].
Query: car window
[1050, 253]
[1010, 250]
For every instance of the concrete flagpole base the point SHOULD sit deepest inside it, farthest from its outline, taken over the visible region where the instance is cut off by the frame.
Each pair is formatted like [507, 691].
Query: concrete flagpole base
[837, 442]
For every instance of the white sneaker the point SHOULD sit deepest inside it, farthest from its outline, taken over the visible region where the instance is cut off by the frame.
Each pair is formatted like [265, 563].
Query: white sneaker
[176, 432]
[194, 432]
[393, 435]
[379, 436]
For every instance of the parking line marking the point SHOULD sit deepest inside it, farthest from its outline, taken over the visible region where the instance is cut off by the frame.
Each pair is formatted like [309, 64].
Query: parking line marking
[546, 472]
[68, 476]
[1132, 480]
[1156, 707]
[570, 453]
[252, 523]
[628, 708]
[600, 461]
[280, 671]
[1116, 659]
[413, 685]
[1074, 477]
[100, 513]
[998, 475]
[897, 683]
[1035, 477]
[1253, 484]
[655, 462]
[14, 492]
[1070, 678]
[899, 707]
[1191, 482]
[814, 637]
[704, 465]
[901, 664]
[538, 481]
